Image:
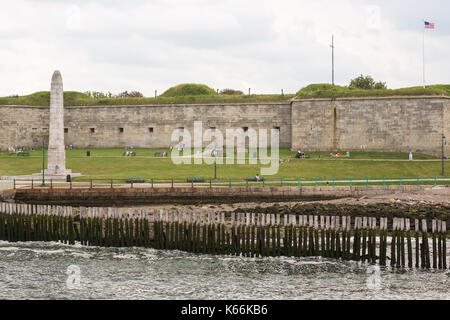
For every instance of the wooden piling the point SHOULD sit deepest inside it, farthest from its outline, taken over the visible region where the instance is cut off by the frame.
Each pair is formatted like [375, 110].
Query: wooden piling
[311, 248]
[326, 237]
[425, 245]
[385, 243]
[263, 235]
[402, 242]
[286, 239]
[373, 241]
[322, 236]
[344, 238]
[409, 243]
[253, 235]
[444, 244]
[224, 233]
[357, 239]
[433, 236]
[249, 235]
[295, 236]
[349, 230]
[338, 238]
[267, 235]
[364, 239]
[417, 247]
[278, 244]
[398, 241]
[393, 240]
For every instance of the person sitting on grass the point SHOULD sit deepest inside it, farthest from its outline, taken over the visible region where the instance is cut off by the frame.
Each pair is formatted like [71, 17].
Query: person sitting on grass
[337, 155]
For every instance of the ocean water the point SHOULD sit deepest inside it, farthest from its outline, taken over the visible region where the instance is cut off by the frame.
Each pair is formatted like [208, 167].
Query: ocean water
[56, 271]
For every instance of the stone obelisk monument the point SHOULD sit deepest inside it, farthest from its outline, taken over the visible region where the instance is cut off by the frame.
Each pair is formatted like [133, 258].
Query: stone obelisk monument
[56, 164]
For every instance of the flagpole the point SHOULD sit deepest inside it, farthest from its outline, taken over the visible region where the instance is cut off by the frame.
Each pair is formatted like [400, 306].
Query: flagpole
[423, 54]
[332, 60]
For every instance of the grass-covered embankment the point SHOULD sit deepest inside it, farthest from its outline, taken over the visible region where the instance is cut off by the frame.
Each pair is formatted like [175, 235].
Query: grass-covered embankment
[202, 94]
[81, 100]
[317, 91]
[181, 94]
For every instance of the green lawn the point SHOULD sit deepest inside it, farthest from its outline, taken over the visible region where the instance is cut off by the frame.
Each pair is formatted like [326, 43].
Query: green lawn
[105, 163]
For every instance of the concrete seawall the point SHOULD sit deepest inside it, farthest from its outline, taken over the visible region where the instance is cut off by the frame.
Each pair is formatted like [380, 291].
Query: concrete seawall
[6, 191]
[233, 194]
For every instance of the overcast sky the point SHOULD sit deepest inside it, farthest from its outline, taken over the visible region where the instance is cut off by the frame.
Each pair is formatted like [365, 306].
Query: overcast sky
[266, 45]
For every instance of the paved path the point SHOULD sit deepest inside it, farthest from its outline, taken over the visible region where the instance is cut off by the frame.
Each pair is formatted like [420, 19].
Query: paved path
[282, 157]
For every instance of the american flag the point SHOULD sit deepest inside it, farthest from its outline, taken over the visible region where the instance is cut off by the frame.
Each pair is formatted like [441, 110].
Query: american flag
[429, 25]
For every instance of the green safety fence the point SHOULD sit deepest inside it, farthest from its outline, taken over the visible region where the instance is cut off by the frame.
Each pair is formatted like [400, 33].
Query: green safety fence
[247, 181]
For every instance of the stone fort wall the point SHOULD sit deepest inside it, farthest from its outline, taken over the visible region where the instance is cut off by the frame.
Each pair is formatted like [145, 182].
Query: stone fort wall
[141, 126]
[397, 124]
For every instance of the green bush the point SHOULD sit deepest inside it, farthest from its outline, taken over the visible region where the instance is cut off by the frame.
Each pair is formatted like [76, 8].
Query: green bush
[380, 85]
[98, 95]
[231, 92]
[189, 89]
[362, 82]
[366, 83]
[132, 94]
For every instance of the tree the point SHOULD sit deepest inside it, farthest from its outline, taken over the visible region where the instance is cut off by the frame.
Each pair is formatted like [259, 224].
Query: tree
[363, 82]
[380, 85]
[367, 83]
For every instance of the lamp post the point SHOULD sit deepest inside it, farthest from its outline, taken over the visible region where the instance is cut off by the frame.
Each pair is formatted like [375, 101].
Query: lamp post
[444, 142]
[215, 168]
[43, 162]
[215, 160]
[332, 59]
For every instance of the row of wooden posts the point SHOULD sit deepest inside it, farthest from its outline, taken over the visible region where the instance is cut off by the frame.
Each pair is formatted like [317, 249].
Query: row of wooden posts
[407, 243]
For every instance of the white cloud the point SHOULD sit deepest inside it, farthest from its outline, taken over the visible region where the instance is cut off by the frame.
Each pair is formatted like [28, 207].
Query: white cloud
[266, 45]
